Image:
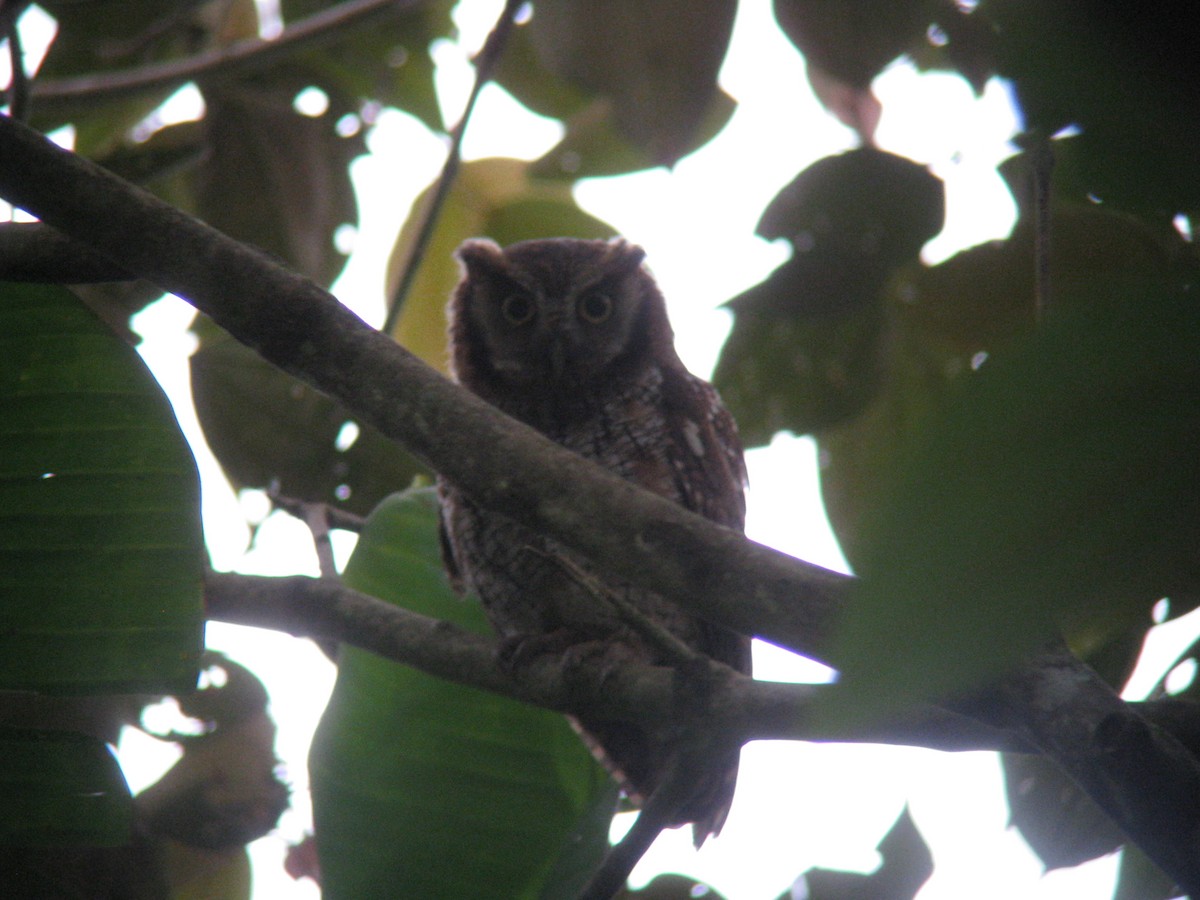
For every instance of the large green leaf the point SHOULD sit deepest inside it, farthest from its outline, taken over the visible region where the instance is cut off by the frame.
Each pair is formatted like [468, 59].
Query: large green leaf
[422, 788]
[100, 543]
[941, 321]
[1056, 491]
[387, 62]
[61, 788]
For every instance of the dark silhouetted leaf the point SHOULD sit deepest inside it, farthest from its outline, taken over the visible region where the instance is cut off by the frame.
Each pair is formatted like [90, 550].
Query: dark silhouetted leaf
[268, 429]
[907, 864]
[852, 41]
[423, 788]
[787, 371]
[275, 178]
[671, 887]
[1061, 823]
[655, 63]
[875, 208]
[100, 543]
[593, 147]
[1126, 77]
[805, 351]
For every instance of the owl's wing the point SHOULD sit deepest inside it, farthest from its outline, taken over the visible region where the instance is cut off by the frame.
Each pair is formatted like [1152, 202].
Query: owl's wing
[711, 477]
[448, 498]
[710, 470]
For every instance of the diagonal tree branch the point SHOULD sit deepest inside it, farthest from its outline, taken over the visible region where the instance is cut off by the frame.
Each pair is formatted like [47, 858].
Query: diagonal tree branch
[503, 464]
[1140, 775]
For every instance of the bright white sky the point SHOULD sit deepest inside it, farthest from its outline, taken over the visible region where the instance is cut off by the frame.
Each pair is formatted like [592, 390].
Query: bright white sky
[798, 804]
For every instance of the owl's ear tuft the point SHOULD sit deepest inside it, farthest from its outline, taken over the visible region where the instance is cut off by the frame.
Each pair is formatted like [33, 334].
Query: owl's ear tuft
[480, 256]
[623, 256]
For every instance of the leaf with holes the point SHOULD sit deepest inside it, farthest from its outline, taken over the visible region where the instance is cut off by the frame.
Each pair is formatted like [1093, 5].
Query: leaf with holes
[269, 429]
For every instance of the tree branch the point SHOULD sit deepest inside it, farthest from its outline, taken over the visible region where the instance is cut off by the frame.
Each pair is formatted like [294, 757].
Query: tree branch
[503, 464]
[32, 251]
[1142, 776]
[749, 710]
[233, 59]
[1138, 773]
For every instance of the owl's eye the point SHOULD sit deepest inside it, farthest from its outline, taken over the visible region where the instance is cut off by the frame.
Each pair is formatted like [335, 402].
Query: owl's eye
[517, 308]
[595, 308]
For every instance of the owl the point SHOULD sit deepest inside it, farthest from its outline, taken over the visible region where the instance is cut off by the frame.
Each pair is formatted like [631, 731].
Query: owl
[571, 337]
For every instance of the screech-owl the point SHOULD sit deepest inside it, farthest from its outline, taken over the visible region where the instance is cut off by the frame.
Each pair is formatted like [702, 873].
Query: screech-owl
[572, 338]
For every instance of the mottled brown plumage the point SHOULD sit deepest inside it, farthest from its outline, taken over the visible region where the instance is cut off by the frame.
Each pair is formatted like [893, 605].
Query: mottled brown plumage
[572, 338]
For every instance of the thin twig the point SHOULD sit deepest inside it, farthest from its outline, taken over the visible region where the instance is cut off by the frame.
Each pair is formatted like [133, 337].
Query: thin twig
[18, 88]
[335, 516]
[1041, 155]
[485, 65]
[614, 871]
[239, 56]
[673, 650]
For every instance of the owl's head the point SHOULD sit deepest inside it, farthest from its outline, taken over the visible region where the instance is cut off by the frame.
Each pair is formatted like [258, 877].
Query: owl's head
[554, 313]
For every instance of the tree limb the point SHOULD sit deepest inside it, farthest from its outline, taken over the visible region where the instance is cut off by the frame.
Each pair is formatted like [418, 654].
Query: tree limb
[504, 465]
[745, 708]
[1138, 773]
[232, 59]
[32, 251]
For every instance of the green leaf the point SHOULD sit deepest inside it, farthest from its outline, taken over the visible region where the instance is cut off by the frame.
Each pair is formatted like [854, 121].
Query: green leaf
[423, 788]
[61, 788]
[269, 429]
[1055, 491]
[91, 41]
[1140, 879]
[100, 543]
[940, 321]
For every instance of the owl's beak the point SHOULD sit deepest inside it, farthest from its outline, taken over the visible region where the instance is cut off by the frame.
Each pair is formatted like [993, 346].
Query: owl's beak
[557, 355]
